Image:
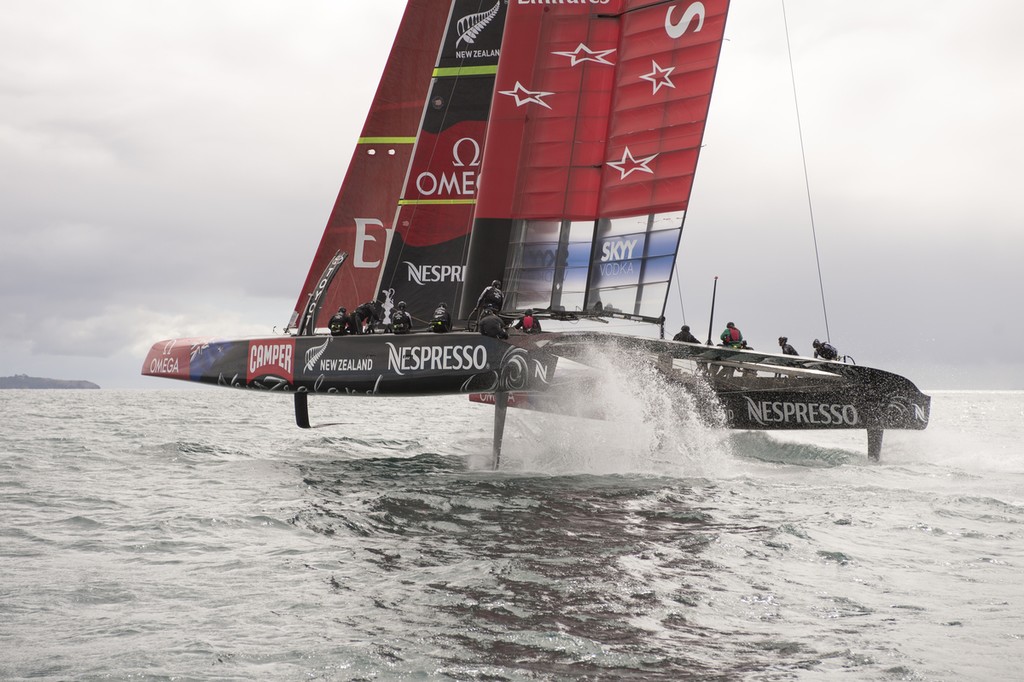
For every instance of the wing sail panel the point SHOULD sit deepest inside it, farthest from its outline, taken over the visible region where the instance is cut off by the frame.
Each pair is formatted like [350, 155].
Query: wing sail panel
[364, 211]
[598, 117]
[427, 258]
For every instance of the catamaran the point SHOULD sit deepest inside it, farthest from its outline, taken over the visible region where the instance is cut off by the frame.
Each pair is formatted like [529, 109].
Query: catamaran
[550, 145]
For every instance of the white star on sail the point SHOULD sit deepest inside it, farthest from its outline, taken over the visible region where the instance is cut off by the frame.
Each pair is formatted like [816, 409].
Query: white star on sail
[524, 96]
[596, 56]
[628, 164]
[659, 77]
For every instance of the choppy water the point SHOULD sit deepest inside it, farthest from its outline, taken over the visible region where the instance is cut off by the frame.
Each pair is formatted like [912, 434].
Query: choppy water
[200, 535]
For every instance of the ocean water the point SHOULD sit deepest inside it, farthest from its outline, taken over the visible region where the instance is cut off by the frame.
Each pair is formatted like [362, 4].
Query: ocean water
[198, 535]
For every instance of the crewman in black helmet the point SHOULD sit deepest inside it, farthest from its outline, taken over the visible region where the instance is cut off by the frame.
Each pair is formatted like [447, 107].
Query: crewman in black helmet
[401, 320]
[786, 348]
[340, 323]
[368, 313]
[492, 325]
[685, 336]
[825, 351]
[491, 297]
[441, 322]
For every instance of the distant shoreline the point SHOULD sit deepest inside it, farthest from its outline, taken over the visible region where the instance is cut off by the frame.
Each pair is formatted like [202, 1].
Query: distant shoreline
[25, 381]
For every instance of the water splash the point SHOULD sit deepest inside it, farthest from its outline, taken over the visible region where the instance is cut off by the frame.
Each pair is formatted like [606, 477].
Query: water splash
[655, 422]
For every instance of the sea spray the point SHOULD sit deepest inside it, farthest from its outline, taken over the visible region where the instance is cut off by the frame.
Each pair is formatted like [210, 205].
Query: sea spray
[653, 419]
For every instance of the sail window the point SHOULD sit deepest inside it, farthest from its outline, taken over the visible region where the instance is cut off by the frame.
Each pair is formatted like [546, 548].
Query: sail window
[548, 264]
[632, 264]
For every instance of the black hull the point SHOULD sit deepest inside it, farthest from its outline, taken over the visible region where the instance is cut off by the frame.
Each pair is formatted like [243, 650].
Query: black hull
[755, 390]
[418, 364]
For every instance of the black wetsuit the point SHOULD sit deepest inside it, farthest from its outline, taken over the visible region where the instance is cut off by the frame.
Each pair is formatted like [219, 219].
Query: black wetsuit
[491, 297]
[339, 323]
[685, 337]
[826, 351]
[442, 321]
[401, 322]
[367, 312]
[491, 325]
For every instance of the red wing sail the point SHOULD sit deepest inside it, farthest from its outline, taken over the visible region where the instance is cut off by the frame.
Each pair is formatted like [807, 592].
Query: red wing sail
[600, 109]
[668, 57]
[593, 140]
[549, 124]
[361, 221]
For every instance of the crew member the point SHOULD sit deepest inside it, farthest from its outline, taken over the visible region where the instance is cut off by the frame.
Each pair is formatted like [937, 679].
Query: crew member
[731, 337]
[401, 320]
[528, 323]
[370, 313]
[340, 324]
[685, 336]
[491, 325]
[825, 351]
[441, 322]
[786, 348]
[491, 297]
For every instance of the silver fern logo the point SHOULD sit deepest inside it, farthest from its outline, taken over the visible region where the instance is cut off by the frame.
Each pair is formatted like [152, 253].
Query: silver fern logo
[314, 354]
[470, 27]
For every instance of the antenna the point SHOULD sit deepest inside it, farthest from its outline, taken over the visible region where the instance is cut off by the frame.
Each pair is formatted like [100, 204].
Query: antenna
[711, 322]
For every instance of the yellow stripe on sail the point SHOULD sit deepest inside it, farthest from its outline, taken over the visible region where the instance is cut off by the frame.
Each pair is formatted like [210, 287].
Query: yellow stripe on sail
[466, 71]
[387, 140]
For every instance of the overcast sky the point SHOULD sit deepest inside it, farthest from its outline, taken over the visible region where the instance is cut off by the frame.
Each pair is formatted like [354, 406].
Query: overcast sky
[167, 168]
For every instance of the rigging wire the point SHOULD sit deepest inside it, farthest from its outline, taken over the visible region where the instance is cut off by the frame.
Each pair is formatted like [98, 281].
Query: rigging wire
[807, 182]
[679, 292]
